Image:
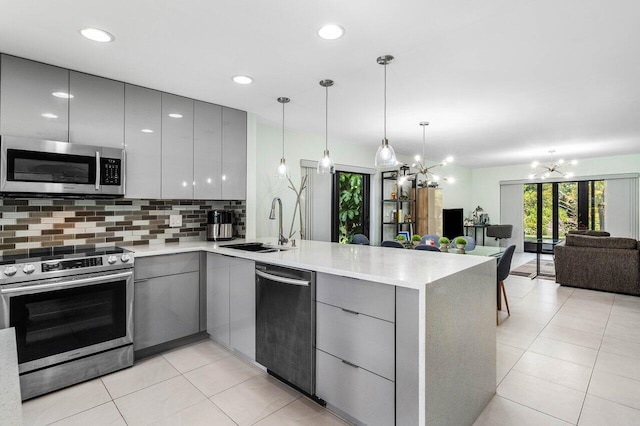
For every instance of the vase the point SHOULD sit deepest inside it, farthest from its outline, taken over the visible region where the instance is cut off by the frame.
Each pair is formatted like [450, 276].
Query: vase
[460, 246]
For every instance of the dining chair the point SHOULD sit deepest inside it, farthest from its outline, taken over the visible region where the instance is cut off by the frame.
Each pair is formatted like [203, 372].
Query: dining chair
[360, 239]
[471, 242]
[426, 247]
[499, 232]
[504, 267]
[391, 243]
[434, 237]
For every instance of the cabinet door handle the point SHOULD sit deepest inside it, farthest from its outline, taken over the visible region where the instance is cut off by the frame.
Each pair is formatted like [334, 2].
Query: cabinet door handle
[350, 364]
[350, 311]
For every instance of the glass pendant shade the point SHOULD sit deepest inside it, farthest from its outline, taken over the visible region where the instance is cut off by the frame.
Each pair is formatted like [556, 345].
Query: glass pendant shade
[325, 165]
[385, 156]
[283, 170]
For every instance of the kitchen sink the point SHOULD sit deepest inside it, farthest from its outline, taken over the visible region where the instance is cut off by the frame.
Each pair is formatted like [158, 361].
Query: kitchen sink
[257, 247]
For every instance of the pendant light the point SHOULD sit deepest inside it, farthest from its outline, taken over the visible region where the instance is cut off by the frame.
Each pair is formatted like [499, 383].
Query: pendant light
[385, 156]
[283, 171]
[325, 165]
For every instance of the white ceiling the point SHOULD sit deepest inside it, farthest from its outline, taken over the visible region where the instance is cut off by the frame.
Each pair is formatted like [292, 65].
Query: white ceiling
[501, 81]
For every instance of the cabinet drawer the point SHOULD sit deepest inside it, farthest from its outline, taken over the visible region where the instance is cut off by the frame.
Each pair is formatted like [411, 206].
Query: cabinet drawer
[362, 395]
[170, 264]
[360, 339]
[366, 297]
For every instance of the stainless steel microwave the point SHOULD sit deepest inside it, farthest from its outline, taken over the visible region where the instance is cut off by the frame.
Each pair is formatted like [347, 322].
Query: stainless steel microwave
[34, 167]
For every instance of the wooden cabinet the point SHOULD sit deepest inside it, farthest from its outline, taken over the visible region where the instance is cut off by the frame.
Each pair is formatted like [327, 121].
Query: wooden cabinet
[96, 111]
[429, 211]
[28, 106]
[231, 317]
[207, 151]
[166, 299]
[143, 136]
[177, 147]
[234, 154]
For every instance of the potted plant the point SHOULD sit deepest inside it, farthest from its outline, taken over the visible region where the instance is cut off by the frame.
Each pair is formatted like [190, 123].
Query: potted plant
[401, 238]
[460, 243]
[415, 239]
[444, 244]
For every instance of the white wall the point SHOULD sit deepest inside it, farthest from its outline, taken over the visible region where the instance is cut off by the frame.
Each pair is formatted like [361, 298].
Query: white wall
[262, 172]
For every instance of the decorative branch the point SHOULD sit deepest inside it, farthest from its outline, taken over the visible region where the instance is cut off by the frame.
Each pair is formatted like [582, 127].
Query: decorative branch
[298, 206]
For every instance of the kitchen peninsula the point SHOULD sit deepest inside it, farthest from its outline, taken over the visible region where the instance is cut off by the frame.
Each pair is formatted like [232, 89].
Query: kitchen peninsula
[444, 313]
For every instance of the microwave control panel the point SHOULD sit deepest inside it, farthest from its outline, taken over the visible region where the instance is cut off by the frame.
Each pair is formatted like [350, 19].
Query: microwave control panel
[110, 171]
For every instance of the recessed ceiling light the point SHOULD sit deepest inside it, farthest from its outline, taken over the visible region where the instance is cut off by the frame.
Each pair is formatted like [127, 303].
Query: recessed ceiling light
[242, 79]
[97, 34]
[174, 115]
[331, 31]
[62, 95]
[146, 131]
[49, 115]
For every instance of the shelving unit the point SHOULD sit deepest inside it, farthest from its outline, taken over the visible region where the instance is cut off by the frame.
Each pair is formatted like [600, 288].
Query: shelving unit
[390, 226]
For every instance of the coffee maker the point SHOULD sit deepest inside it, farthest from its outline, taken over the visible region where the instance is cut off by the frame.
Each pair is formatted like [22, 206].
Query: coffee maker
[220, 225]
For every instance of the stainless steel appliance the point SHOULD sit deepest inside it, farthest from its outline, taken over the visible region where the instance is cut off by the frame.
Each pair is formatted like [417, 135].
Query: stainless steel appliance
[72, 312]
[285, 324]
[220, 225]
[41, 167]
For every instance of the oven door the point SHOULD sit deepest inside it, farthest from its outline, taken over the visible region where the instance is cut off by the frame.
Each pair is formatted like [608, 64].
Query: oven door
[58, 320]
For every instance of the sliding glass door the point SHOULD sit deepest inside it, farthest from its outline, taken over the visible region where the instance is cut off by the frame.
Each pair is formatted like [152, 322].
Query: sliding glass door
[553, 209]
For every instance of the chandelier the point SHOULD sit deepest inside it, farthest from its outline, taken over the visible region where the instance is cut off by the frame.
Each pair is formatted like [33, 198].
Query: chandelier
[431, 179]
[545, 171]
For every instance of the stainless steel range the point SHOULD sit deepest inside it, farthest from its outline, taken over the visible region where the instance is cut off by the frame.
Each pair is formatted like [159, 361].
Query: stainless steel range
[72, 309]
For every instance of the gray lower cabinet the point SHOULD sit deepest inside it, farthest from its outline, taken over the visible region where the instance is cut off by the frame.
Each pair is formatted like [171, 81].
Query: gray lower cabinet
[360, 394]
[143, 136]
[355, 348]
[177, 147]
[234, 154]
[96, 111]
[28, 106]
[231, 318]
[166, 299]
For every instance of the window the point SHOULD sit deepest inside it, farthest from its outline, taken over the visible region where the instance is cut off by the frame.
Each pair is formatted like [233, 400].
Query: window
[350, 206]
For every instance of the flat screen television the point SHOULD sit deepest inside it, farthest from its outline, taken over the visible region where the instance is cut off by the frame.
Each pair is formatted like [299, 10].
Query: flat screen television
[452, 220]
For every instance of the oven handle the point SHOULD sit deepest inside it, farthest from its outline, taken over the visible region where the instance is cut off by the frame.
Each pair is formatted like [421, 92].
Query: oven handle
[282, 280]
[63, 284]
[98, 170]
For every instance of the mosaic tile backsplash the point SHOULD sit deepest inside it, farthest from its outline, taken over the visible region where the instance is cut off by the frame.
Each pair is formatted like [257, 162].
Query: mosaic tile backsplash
[43, 222]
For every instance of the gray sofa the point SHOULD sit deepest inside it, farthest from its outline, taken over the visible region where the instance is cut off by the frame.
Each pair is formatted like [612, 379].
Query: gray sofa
[599, 263]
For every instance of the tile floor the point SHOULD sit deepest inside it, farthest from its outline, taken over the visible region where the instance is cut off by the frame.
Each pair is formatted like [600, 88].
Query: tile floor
[564, 356]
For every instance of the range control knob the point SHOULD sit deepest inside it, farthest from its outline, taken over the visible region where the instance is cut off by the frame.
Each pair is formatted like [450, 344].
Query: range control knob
[28, 268]
[10, 271]
[125, 258]
[111, 260]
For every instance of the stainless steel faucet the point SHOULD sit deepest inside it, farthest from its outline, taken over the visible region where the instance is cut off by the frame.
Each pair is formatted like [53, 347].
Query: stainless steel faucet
[281, 238]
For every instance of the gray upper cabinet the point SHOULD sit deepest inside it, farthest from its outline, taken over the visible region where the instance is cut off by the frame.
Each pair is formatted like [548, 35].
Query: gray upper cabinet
[143, 136]
[177, 147]
[96, 111]
[28, 106]
[234, 154]
[207, 151]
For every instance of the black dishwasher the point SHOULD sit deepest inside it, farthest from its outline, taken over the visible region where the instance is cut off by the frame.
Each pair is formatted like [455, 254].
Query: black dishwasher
[285, 324]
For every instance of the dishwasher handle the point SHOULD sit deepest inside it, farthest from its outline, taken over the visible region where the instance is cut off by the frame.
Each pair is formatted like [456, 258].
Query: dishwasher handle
[282, 280]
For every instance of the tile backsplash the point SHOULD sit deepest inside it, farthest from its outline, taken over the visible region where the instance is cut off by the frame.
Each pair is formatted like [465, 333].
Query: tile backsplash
[43, 222]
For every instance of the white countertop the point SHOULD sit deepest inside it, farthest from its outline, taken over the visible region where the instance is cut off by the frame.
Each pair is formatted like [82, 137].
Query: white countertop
[403, 268]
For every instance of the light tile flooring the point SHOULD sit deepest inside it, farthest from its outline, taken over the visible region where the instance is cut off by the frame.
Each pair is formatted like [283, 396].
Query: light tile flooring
[564, 356]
